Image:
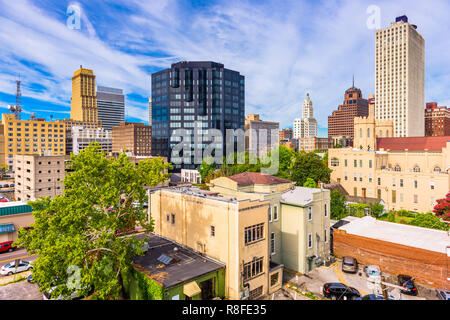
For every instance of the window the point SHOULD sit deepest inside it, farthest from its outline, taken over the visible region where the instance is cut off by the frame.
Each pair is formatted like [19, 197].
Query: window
[416, 169]
[345, 162]
[393, 182]
[272, 243]
[397, 168]
[213, 231]
[325, 236]
[254, 233]
[370, 163]
[173, 218]
[326, 212]
[309, 213]
[275, 213]
[310, 241]
[269, 211]
[394, 196]
[432, 185]
[379, 181]
[355, 163]
[401, 182]
[437, 170]
[274, 279]
[253, 269]
[415, 184]
[360, 163]
[335, 162]
[416, 198]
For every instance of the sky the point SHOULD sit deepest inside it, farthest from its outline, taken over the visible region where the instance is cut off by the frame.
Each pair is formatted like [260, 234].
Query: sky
[283, 48]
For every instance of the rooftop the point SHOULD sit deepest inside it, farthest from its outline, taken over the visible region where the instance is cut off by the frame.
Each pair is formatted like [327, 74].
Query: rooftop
[299, 195]
[413, 143]
[171, 264]
[411, 236]
[196, 192]
[251, 178]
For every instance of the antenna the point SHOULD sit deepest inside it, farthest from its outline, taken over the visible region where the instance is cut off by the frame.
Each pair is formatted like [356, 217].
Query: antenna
[17, 108]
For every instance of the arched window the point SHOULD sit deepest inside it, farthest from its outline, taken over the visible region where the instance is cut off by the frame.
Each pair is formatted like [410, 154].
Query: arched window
[397, 168]
[437, 169]
[368, 132]
[416, 169]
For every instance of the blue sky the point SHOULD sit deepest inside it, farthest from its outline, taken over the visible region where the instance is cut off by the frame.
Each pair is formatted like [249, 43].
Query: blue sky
[284, 49]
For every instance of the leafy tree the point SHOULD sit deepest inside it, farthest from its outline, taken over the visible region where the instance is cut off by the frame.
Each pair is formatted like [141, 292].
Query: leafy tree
[429, 220]
[338, 209]
[309, 165]
[376, 209]
[325, 159]
[3, 170]
[77, 235]
[310, 183]
[285, 158]
[442, 208]
[207, 167]
[358, 209]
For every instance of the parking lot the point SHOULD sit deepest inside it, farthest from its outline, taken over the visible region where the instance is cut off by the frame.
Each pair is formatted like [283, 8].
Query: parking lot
[20, 291]
[314, 280]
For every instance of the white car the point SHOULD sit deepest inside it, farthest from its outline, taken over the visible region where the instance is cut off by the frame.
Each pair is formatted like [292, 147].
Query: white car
[10, 268]
[373, 273]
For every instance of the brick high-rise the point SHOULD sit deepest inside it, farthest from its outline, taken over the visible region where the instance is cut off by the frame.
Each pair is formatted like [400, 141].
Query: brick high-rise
[132, 137]
[437, 120]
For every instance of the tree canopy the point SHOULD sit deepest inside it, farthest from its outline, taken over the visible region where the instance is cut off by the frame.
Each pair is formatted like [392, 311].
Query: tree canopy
[338, 209]
[78, 236]
[309, 165]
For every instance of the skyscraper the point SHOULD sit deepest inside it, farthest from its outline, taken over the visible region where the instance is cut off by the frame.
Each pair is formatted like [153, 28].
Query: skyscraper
[111, 106]
[306, 127]
[201, 93]
[83, 105]
[400, 77]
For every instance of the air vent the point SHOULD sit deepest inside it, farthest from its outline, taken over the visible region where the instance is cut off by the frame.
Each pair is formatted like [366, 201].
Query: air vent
[165, 259]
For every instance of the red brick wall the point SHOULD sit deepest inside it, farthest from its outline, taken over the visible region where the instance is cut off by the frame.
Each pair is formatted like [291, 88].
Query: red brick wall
[428, 267]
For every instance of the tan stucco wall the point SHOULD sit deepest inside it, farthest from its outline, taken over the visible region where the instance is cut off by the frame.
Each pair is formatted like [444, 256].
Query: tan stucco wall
[19, 221]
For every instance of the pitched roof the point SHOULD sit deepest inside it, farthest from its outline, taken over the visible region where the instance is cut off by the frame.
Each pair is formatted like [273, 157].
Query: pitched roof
[413, 143]
[250, 178]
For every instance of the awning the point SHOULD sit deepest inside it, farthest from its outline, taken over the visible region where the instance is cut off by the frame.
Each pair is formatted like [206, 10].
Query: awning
[191, 289]
[7, 228]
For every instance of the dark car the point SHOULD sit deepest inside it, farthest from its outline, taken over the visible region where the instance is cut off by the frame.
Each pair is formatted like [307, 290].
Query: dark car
[375, 297]
[6, 246]
[30, 278]
[349, 264]
[407, 283]
[339, 291]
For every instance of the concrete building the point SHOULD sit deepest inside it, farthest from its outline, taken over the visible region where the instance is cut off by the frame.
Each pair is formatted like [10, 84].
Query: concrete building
[132, 137]
[111, 107]
[232, 231]
[83, 104]
[261, 136]
[294, 214]
[14, 215]
[396, 248]
[70, 123]
[81, 137]
[195, 96]
[400, 77]
[406, 172]
[38, 176]
[340, 123]
[437, 120]
[192, 176]
[306, 127]
[312, 144]
[26, 137]
[285, 135]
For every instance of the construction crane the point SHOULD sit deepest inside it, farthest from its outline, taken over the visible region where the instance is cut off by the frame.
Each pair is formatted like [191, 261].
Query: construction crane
[17, 108]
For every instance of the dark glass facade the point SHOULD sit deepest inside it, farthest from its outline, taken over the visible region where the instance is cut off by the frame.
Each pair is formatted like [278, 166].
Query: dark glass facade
[195, 93]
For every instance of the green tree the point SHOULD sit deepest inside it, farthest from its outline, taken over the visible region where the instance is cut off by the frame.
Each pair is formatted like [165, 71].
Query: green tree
[338, 209]
[309, 165]
[310, 183]
[207, 167]
[429, 220]
[376, 209]
[285, 158]
[358, 209]
[3, 170]
[77, 234]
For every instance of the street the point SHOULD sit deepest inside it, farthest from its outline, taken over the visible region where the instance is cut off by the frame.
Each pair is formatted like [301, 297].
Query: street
[19, 253]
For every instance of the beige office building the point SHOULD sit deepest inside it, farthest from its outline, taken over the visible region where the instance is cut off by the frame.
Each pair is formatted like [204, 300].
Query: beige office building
[400, 78]
[232, 231]
[38, 176]
[83, 105]
[261, 136]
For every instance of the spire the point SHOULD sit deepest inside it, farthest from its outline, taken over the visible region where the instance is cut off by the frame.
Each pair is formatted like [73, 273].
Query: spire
[353, 85]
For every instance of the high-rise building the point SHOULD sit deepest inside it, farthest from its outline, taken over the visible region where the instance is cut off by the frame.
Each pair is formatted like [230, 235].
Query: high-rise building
[35, 136]
[400, 77]
[261, 137]
[437, 120]
[111, 106]
[195, 96]
[132, 137]
[306, 127]
[313, 144]
[340, 123]
[285, 134]
[150, 111]
[83, 105]
[82, 138]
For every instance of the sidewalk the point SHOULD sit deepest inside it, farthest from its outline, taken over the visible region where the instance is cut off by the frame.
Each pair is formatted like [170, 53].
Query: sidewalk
[7, 279]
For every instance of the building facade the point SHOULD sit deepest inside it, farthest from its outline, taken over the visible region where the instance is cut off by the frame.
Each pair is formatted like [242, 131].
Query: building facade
[400, 77]
[261, 136]
[38, 176]
[81, 137]
[195, 96]
[111, 107]
[13, 216]
[83, 104]
[312, 144]
[132, 137]
[340, 123]
[285, 135]
[437, 120]
[306, 127]
[27, 137]
[192, 176]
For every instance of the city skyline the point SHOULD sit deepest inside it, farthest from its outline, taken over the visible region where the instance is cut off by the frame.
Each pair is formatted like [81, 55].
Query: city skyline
[304, 52]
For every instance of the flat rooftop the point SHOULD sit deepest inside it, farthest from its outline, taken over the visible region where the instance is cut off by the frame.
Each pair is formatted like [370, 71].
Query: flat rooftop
[183, 265]
[411, 236]
[299, 195]
[196, 192]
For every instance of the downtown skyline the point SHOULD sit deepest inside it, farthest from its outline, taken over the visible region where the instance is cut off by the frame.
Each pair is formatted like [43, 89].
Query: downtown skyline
[283, 52]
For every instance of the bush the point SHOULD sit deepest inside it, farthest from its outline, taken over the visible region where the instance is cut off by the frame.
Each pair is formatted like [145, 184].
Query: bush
[429, 220]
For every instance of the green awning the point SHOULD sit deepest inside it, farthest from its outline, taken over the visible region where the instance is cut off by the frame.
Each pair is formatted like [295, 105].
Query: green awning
[7, 228]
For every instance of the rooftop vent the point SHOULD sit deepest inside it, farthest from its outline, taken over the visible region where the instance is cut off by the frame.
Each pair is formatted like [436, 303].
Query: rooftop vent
[165, 259]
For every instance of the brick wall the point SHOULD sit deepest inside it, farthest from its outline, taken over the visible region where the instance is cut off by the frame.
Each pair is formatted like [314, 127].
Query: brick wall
[428, 267]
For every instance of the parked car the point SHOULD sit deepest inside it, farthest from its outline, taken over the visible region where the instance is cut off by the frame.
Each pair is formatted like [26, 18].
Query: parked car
[6, 186]
[349, 264]
[339, 291]
[443, 294]
[10, 268]
[4, 200]
[373, 273]
[407, 283]
[11, 185]
[30, 278]
[375, 297]
[7, 246]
